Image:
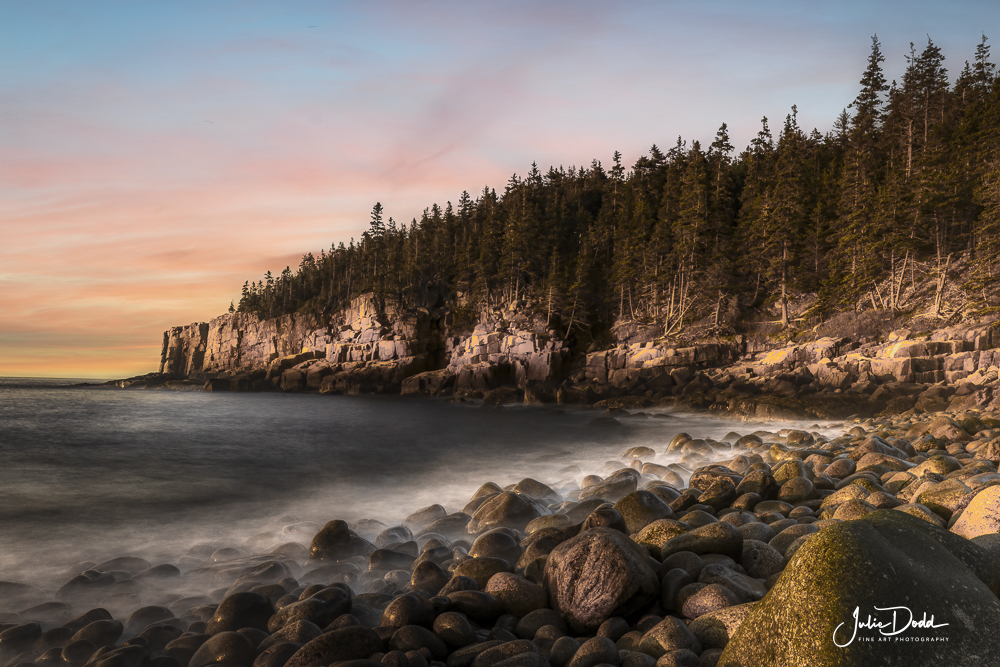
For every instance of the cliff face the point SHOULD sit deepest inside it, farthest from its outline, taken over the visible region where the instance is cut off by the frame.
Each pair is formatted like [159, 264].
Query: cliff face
[511, 355]
[366, 349]
[238, 342]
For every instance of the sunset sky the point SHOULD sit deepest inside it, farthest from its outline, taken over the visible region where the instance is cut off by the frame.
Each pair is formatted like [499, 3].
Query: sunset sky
[156, 155]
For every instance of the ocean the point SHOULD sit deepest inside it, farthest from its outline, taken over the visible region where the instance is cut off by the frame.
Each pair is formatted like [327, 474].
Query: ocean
[90, 473]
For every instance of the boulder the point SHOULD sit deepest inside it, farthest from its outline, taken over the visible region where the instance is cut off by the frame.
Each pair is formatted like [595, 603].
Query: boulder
[598, 574]
[641, 508]
[855, 575]
[335, 541]
[982, 516]
[505, 510]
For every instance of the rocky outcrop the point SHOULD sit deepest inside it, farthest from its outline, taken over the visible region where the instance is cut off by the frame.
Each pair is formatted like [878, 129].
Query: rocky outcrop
[488, 359]
[374, 347]
[367, 348]
[656, 363]
[363, 349]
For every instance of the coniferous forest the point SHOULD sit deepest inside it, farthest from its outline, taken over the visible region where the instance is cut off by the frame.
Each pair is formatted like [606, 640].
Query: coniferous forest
[905, 186]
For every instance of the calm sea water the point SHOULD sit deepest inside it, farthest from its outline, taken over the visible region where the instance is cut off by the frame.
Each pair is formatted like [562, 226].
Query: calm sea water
[94, 472]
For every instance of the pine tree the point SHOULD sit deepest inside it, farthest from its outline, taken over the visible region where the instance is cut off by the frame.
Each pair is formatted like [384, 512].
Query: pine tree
[857, 259]
[785, 226]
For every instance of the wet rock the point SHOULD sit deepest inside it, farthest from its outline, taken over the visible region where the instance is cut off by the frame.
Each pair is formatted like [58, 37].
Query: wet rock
[760, 482]
[322, 608]
[783, 539]
[481, 569]
[495, 655]
[394, 535]
[459, 583]
[408, 609]
[517, 595]
[454, 629]
[53, 638]
[415, 637]
[159, 635]
[714, 538]
[335, 541]
[20, 637]
[86, 585]
[670, 634]
[144, 616]
[479, 606]
[182, 648]
[658, 533]
[507, 510]
[596, 575]
[126, 656]
[796, 490]
[227, 647]
[351, 643]
[496, 544]
[276, 655]
[130, 564]
[99, 633]
[681, 657]
[251, 569]
[17, 595]
[746, 589]
[298, 632]
[641, 508]
[423, 517]
[719, 494]
[77, 653]
[671, 584]
[944, 498]
[712, 597]
[241, 610]
[158, 572]
[428, 578]
[614, 487]
[714, 629]
[607, 517]
[534, 621]
[453, 527]
[760, 560]
[596, 651]
[387, 559]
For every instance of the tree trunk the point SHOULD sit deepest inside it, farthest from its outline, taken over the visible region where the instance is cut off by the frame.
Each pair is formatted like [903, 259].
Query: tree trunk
[784, 285]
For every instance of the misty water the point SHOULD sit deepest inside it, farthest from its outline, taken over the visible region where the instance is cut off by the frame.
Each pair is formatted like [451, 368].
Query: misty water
[89, 473]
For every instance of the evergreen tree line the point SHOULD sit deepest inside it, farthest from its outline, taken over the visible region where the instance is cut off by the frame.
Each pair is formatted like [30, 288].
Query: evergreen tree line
[905, 184]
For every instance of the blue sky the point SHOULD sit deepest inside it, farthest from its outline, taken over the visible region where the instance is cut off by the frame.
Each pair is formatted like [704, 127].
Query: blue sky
[155, 155]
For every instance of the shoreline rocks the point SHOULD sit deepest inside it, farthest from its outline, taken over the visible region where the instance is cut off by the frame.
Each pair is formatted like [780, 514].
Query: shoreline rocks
[505, 356]
[768, 548]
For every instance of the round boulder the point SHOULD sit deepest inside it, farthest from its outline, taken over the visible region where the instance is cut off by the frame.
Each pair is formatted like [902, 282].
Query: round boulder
[598, 574]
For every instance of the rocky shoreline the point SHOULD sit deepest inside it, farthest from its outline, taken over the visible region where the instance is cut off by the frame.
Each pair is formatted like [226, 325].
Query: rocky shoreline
[508, 357]
[760, 549]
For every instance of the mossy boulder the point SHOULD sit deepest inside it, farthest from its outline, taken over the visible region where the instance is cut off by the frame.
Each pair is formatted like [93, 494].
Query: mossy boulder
[887, 559]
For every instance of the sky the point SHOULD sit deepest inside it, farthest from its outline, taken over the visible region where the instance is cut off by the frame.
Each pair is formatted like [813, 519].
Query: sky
[156, 155]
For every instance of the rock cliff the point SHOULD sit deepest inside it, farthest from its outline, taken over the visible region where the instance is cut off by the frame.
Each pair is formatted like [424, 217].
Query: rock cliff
[505, 355]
